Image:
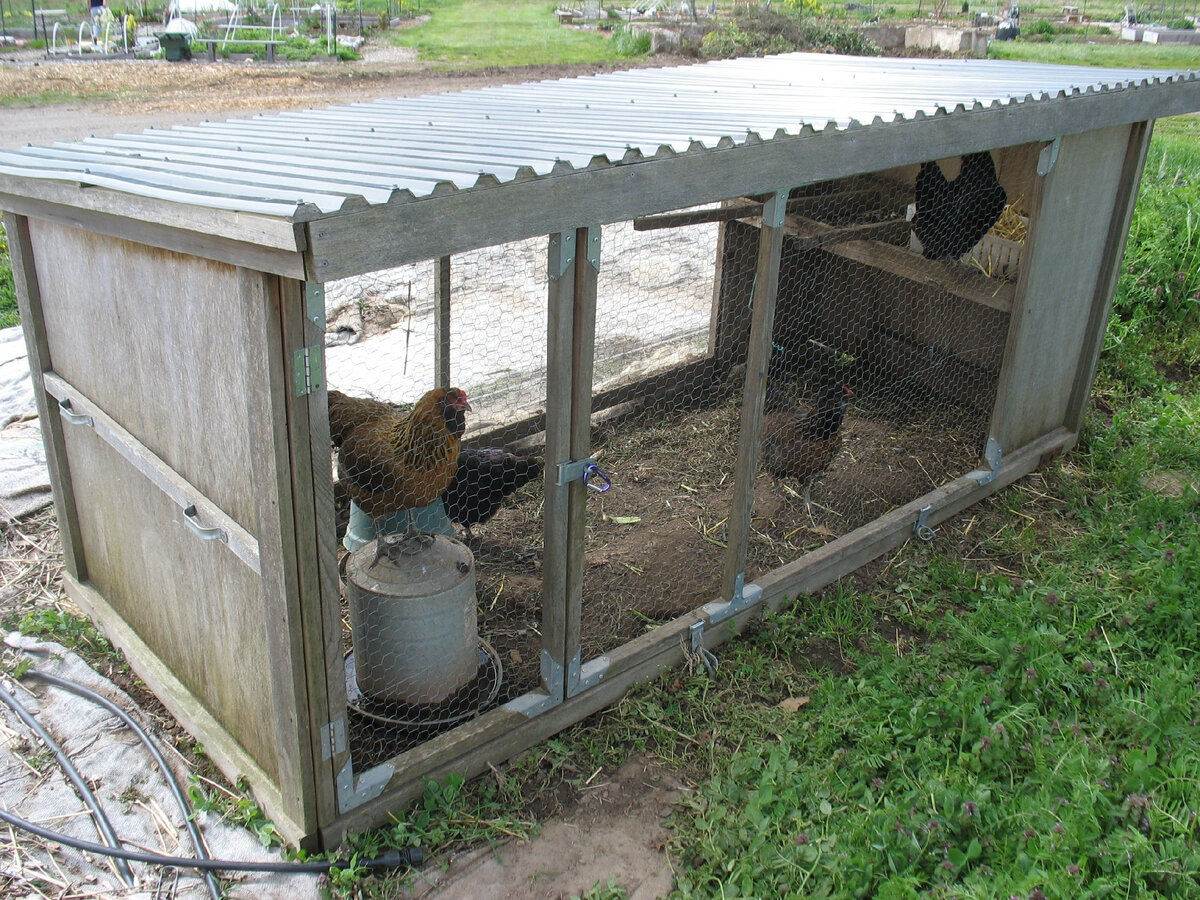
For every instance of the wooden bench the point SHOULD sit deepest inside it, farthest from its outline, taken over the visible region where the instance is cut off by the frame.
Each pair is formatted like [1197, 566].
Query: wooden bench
[210, 46]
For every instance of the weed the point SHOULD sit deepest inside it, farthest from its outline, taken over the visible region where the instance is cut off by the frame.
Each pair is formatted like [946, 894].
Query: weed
[8, 289]
[235, 807]
[72, 631]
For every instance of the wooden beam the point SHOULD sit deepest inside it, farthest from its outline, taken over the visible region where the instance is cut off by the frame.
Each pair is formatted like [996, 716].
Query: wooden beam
[204, 239]
[317, 551]
[29, 303]
[240, 542]
[1124, 200]
[400, 232]
[762, 317]
[960, 281]
[272, 232]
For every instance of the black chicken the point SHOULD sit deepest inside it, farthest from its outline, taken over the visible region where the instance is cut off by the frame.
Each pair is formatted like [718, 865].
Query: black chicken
[483, 479]
[801, 445]
[952, 216]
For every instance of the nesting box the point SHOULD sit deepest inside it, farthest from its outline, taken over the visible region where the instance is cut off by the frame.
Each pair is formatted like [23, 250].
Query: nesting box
[642, 278]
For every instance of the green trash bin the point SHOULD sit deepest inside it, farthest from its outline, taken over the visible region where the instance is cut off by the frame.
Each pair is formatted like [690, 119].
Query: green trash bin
[176, 46]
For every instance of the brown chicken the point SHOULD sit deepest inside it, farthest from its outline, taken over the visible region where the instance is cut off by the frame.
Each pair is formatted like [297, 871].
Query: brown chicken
[801, 445]
[391, 458]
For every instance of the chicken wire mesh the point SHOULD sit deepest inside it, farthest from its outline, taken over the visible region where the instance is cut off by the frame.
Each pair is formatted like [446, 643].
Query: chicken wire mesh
[883, 371]
[890, 324]
[437, 632]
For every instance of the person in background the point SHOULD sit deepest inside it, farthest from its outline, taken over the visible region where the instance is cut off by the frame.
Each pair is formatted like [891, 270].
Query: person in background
[97, 9]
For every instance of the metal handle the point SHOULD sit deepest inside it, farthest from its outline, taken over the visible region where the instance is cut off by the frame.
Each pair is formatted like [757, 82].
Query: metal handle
[192, 520]
[64, 409]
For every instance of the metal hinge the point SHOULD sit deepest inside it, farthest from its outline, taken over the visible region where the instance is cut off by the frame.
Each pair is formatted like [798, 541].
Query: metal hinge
[333, 739]
[309, 370]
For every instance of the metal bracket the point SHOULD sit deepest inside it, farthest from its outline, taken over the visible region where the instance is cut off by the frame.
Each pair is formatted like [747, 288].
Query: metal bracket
[369, 786]
[775, 209]
[1048, 157]
[333, 739]
[191, 518]
[745, 596]
[562, 254]
[581, 676]
[583, 470]
[536, 702]
[314, 303]
[593, 247]
[922, 528]
[992, 454]
[309, 368]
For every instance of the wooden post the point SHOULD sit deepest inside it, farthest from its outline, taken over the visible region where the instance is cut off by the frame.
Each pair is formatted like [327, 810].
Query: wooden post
[441, 322]
[29, 302]
[762, 317]
[560, 262]
[587, 265]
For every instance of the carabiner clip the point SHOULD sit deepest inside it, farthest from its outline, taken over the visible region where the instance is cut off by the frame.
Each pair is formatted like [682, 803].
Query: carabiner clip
[594, 471]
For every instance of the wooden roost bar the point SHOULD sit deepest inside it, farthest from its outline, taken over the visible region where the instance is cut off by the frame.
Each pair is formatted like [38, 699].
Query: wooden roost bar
[171, 287]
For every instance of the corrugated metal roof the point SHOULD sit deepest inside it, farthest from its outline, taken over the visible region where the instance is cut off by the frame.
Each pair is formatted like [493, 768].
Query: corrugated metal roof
[329, 159]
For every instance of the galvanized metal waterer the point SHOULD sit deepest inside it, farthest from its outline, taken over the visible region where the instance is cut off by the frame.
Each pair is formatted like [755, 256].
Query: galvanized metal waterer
[413, 617]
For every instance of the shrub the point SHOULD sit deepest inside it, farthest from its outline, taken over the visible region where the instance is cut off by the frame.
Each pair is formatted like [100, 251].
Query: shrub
[759, 32]
[1042, 27]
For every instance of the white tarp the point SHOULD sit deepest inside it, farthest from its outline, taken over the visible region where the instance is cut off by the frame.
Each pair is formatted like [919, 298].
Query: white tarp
[24, 481]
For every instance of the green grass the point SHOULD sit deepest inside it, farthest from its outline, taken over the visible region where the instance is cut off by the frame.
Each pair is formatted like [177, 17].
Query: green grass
[1125, 55]
[483, 33]
[8, 290]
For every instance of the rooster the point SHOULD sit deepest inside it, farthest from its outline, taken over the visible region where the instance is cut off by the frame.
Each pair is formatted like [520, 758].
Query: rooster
[483, 479]
[952, 216]
[801, 445]
[393, 458]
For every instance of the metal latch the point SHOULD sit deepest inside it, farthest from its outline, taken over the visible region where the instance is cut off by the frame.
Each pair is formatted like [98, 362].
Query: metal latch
[745, 596]
[309, 366]
[922, 528]
[584, 470]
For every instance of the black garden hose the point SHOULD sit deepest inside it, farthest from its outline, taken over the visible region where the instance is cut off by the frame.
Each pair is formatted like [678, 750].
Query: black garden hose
[214, 889]
[408, 856]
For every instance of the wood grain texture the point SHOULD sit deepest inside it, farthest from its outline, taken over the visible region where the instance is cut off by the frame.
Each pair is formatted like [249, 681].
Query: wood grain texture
[158, 341]
[1057, 289]
[196, 606]
[226, 752]
[29, 303]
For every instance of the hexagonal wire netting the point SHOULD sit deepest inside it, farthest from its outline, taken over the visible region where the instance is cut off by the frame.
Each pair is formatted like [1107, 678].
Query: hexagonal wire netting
[889, 328]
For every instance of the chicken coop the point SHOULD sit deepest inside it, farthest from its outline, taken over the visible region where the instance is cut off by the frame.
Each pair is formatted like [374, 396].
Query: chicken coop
[687, 342]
